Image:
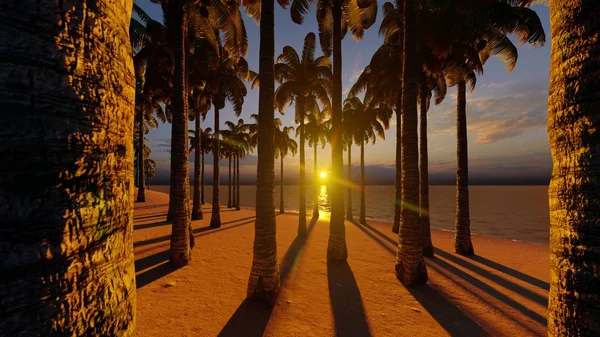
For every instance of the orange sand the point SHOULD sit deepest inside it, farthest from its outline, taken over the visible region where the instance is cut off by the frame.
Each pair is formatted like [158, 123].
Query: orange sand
[500, 292]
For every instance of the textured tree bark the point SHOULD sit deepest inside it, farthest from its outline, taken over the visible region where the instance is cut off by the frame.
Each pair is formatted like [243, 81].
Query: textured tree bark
[237, 179]
[264, 281]
[410, 266]
[574, 193]
[336, 248]
[281, 210]
[229, 184]
[315, 184]
[349, 208]
[215, 220]
[141, 196]
[363, 212]
[202, 202]
[235, 196]
[170, 209]
[398, 183]
[302, 231]
[424, 171]
[67, 92]
[462, 243]
[180, 184]
[197, 207]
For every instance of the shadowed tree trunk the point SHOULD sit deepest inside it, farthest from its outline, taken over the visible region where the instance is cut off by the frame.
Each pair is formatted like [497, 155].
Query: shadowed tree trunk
[234, 192]
[197, 207]
[264, 282]
[574, 193]
[67, 92]
[281, 210]
[410, 265]
[141, 197]
[424, 171]
[349, 208]
[398, 182]
[170, 209]
[462, 243]
[229, 184]
[202, 180]
[215, 220]
[363, 211]
[302, 216]
[180, 184]
[237, 179]
[315, 184]
[336, 248]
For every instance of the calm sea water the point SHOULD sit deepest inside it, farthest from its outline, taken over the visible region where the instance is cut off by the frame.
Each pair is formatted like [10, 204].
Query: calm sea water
[512, 212]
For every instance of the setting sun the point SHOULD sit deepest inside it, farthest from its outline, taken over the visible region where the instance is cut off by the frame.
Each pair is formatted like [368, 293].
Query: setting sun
[323, 175]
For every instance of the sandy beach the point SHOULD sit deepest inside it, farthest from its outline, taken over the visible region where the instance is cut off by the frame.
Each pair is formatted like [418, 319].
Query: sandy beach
[500, 292]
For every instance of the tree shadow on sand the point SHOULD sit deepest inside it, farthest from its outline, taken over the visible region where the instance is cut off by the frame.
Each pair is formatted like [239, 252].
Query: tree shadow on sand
[346, 302]
[159, 267]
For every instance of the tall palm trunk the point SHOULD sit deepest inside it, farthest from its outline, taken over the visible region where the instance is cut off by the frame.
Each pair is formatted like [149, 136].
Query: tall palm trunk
[574, 193]
[363, 212]
[350, 186]
[229, 185]
[264, 282]
[180, 184]
[66, 178]
[398, 182]
[315, 184]
[410, 266]
[141, 197]
[215, 220]
[170, 209]
[462, 243]
[336, 248]
[424, 171]
[237, 178]
[202, 180]
[302, 216]
[234, 192]
[281, 210]
[197, 207]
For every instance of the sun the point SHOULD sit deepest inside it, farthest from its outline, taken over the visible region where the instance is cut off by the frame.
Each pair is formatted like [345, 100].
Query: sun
[323, 175]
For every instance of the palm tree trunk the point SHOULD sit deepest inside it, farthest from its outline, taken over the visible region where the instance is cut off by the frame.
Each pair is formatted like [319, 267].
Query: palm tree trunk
[180, 235]
[215, 220]
[264, 282]
[281, 210]
[315, 184]
[424, 171]
[462, 243]
[170, 209]
[229, 185]
[350, 185]
[410, 266]
[67, 169]
[235, 196]
[336, 248]
[141, 197]
[197, 207]
[202, 180]
[302, 231]
[363, 216]
[398, 183]
[574, 193]
[237, 178]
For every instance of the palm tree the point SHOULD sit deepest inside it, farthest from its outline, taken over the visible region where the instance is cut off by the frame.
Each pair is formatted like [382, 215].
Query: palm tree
[244, 146]
[236, 143]
[200, 106]
[283, 145]
[264, 281]
[306, 81]
[316, 131]
[349, 128]
[334, 17]
[572, 129]
[67, 170]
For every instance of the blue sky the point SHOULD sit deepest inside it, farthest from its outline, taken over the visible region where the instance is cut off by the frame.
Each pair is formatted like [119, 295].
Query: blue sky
[506, 113]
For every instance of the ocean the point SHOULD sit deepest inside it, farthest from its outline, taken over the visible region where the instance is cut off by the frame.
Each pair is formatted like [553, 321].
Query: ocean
[510, 212]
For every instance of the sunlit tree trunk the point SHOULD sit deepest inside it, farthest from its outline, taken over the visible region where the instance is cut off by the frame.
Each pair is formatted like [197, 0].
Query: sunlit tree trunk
[67, 91]
[180, 184]
[315, 183]
[398, 181]
[229, 184]
[141, 196]
[363, 211]
[424, 170]
[215, 220]
[350, 185]
[237, 179]
[410, 265]
[462, 243]
[336, 248]
[574, 193]
[264, 282]
[281, 210]
[197, 207]
[302, 210]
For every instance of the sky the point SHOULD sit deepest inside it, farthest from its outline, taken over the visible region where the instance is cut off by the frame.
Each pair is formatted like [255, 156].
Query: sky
[506, 114]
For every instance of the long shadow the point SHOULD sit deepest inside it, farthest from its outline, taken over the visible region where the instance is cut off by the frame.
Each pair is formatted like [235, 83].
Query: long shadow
[250, 319]
[240, 219]
[293, 253]
[498, 279]
[346, 302]
[376, 231]
[489, 290]
[451, 318]
[160, 267]
[374, 237]
[512, 272]
[151, 206]
[149, 216]
[151, 225]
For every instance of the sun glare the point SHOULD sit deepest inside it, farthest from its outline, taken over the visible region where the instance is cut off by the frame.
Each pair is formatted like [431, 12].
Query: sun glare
[323, 175]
